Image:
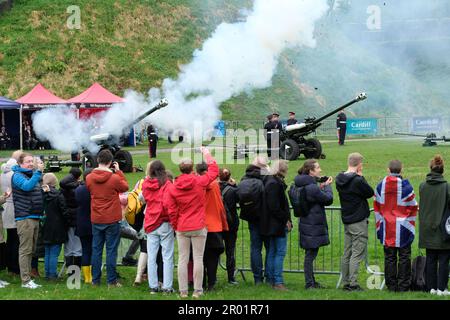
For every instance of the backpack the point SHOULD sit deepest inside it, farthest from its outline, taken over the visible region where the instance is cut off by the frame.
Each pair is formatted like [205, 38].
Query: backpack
[418, 282]
[134, 205]
[297, 195]
[250, 192]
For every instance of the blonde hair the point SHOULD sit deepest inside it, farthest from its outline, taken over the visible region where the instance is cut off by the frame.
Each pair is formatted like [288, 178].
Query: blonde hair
[16, 154]
[260, 161]
[355, 159]
[50, 179]
[279, 167]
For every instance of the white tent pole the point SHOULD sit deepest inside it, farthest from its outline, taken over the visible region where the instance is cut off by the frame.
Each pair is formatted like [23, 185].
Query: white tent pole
[21, 127]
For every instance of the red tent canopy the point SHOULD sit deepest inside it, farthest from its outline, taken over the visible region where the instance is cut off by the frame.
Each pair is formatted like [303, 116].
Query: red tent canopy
[40, 97]
[96, 96]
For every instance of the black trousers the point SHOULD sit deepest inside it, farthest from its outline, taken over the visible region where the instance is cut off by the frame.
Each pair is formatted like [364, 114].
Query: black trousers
[397, 271]
[437, 269]
[310, 256]
[211, 263]
[86, 249]
[152, 145]
[230, 238]
[12, 251]
[342, 132]
[269, 147]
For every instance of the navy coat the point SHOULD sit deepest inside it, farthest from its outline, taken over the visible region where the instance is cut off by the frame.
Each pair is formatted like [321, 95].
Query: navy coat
[83, 221]
[313, 228]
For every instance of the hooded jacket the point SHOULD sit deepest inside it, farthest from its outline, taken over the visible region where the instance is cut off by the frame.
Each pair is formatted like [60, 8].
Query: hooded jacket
[186, 199]
[230, 200]
[431, 209]
[313, 228]
[104, 187]
[54, 229]
[353, 192]
[276, 212]
[155, 212]
[27, 193]
[250, 215]
[68, 185]
[5, 181]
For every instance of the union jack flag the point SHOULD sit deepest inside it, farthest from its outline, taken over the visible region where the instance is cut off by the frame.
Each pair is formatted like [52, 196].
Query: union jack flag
[395, 212]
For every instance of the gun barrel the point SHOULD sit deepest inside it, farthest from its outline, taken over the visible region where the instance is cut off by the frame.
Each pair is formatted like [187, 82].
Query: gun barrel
[163, 103]
[410, 134]
[360, 97]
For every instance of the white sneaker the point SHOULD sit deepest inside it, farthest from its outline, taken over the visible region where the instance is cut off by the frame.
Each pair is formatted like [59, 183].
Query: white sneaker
[443, 293]
[432, 291]
[31, 285]
[4, 283]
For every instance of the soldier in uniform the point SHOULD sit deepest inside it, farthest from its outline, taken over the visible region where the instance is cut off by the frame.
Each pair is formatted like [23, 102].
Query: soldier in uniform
[268, 132]
[341, 125]
[275, 131]
[152, 140]
[291, 119]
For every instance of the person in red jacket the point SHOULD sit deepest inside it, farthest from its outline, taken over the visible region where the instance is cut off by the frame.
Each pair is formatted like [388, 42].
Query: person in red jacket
[157, 226]
[185, 203]
[104, 185]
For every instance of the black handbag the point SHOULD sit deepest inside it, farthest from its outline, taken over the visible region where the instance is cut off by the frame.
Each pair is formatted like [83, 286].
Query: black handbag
[445, 222]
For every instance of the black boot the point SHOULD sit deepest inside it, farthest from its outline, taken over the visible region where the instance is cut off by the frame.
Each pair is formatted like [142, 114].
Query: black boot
[69, 262]
[77, 261]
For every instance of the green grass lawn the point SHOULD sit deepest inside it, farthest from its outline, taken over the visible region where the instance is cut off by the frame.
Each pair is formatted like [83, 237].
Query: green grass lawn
[376, 153]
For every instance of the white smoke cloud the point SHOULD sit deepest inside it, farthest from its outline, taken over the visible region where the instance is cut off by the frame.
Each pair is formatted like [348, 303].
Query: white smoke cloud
[237, 58]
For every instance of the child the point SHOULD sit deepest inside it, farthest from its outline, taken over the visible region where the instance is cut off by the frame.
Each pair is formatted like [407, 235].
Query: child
[55, 224]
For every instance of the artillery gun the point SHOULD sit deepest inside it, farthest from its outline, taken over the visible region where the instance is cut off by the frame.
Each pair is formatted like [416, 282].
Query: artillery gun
[107, 141]
[294, 139]
[430, 139]
[54, 164]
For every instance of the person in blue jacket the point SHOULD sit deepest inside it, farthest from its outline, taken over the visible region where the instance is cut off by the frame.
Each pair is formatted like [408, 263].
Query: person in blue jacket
[28, 209]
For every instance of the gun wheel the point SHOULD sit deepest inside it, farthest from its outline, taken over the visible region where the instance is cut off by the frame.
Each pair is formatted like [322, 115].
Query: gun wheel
[289, 150]
[313, 149]
[125, 160]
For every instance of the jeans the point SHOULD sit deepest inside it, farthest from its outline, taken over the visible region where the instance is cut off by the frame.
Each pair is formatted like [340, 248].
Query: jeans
[163, 236]
[101, 234]
[52, 252]
[310, 256]
[437, 269]
[256, 244]
[275, 260]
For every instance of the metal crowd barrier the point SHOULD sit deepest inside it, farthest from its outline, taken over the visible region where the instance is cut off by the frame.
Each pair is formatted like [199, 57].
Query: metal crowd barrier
[328, 260]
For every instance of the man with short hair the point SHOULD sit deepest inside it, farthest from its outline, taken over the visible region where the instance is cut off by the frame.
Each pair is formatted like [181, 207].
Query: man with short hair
[353, 192]
[395, 211]
[28, 209]
[258, 170]
[105, 185]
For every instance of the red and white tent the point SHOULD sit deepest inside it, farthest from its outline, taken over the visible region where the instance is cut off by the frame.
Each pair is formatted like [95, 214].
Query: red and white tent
[94, 99]
[39, 97]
